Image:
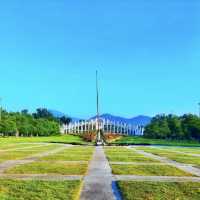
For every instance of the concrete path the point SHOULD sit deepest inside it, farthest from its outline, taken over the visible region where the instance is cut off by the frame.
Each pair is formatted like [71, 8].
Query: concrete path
[156, 178]
[98, 183]
[136, 163]
[48, 177]
[187, 168]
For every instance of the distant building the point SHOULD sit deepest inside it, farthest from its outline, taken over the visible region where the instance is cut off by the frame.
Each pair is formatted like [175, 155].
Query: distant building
[107, 126]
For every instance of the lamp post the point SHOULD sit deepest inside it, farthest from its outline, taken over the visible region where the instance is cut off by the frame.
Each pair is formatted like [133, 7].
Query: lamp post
[199, 109]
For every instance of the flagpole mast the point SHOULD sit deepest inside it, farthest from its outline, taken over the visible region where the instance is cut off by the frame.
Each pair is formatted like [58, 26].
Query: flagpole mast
[97, 91]
[98, 141]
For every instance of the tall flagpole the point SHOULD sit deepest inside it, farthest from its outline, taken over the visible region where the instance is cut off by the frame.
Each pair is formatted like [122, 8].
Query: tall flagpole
[98, 141]
[97, 91]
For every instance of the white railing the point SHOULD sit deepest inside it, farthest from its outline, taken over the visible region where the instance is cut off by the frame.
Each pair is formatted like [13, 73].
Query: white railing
[106, 125]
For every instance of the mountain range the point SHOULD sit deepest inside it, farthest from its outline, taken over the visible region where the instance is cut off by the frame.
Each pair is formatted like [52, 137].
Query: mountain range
[138, 120]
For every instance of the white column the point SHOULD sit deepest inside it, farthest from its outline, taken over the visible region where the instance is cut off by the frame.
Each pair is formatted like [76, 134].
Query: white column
[106, 125]
[104, 122]
[93, 125]
[127, 128]
[78, 127]
[117, 127]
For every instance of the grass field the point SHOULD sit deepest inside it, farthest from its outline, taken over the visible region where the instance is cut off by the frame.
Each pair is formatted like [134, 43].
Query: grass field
[179, 157]
[136, 140]
[190, 150]
[159, 191]
[66, 139]
[52, 167]
[72, 154]
[54, 164]
[123, 154]
[148, 170]
[39, 190]
[59, 164]
[23, 153]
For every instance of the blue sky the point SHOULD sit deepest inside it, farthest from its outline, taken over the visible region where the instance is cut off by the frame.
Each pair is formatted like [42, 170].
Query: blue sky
[147, 54]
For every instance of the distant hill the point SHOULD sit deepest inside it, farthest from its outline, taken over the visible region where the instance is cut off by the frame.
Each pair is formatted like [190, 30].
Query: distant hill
[56, 113]
[59, 114]
[138, 120]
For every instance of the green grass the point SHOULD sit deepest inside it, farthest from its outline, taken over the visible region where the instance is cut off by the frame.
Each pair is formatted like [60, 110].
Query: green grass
[72, 154]
[182, 158]
[60, 168]
[121, 154]
[67, 139]
[135, 140]
[148, 170]
[13, 146]
[21, 154]
[191, 150]
[39, 190]
[131, 190]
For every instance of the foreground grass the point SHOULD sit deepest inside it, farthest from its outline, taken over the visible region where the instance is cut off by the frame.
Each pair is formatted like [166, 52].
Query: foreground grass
[122, 154]
[60, 168]
[66, 139]
[158, 190]
[148, 170]
[135, 140]
[39, 190]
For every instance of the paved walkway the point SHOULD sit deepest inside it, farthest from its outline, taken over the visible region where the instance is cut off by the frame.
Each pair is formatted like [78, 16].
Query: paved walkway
[98, 184]
[48, 177]
[156, 178]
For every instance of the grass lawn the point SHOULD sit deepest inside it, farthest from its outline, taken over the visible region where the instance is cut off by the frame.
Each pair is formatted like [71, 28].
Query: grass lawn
[182, 158]
[72, 154]
[13, 146]
[39, 190]
[191, 150]
[21, 154]
[122, 154]
[67, 139]
[43, 167]
[148, 170]
[135, 140]
[131, 190]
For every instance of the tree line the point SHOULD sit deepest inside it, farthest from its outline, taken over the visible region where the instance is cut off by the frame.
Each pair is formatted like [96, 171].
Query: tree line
[171, 126]
[40, 123]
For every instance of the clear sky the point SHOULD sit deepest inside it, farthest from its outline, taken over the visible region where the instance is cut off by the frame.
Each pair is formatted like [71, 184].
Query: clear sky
[147, 53]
